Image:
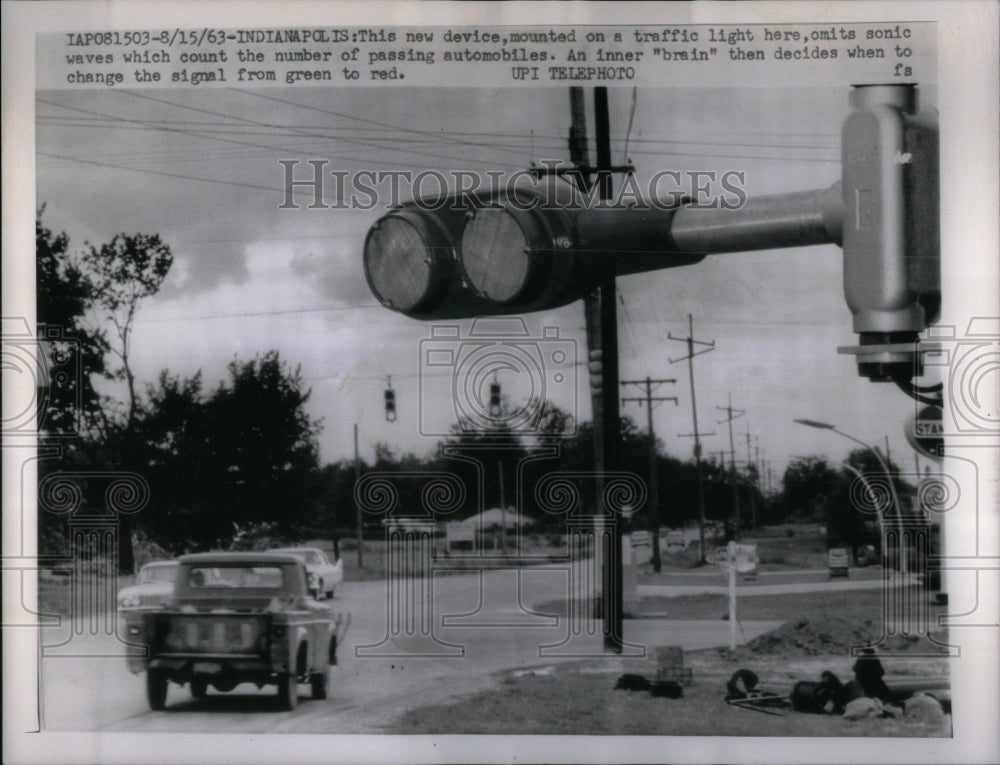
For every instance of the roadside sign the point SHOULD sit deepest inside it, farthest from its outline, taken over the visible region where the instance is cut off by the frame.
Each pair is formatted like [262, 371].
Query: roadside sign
[925, 431]
[741, 558]
[456, 531]
[838, 562]
[642, 547]
[642, 539]
[732, 558]
[675, 539]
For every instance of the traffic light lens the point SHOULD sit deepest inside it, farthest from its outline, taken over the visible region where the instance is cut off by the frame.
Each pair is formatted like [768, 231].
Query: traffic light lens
[495, 254]
[398, 262]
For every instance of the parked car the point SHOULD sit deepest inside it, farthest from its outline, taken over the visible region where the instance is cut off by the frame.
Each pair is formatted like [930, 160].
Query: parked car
[153, 587]
[235, 618]
[323, 576]
[674, 541]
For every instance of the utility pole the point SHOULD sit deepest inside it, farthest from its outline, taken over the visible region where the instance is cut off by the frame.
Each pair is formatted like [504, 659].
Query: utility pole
[654, 488]
[503, 510]
[752, 483]
[730, 416]
[601, 317]
[761, 482]
[709, 346]
[357, 505]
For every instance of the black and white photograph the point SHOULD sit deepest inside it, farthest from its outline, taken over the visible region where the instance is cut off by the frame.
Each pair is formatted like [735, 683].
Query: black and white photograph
[500, 382]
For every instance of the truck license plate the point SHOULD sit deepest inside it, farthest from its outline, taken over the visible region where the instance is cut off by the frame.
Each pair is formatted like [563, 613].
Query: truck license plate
[207, 667]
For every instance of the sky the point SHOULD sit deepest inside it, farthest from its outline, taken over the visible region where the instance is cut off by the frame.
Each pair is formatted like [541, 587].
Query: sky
[201, 168]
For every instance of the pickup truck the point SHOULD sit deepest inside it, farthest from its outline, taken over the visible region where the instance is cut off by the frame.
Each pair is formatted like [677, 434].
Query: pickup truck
[235, 618]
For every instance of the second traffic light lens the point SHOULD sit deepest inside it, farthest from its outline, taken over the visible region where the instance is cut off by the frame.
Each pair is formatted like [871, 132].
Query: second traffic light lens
[398, 262]
[495, 254]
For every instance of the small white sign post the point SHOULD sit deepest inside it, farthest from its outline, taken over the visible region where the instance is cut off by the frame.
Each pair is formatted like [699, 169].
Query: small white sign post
[735, 558]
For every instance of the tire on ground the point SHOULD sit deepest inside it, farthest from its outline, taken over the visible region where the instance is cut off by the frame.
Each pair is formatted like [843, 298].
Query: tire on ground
[156, 688]
[288, 691]
[319, 681]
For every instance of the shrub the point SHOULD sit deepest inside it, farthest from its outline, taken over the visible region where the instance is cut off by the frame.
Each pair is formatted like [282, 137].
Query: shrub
[146, 550]
[256, 537]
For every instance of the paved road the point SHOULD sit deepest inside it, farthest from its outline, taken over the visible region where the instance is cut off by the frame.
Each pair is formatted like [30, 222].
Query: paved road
[481, 624]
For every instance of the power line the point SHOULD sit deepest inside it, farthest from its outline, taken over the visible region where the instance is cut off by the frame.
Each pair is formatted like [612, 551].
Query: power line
[165, 173]
[275, 149]
[304, 134]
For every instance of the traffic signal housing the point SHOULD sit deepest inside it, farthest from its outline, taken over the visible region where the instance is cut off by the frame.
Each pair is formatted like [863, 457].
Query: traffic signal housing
[390, 404]
[515, 250]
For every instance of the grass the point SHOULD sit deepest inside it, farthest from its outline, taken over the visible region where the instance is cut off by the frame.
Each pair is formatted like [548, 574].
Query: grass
[852, 604]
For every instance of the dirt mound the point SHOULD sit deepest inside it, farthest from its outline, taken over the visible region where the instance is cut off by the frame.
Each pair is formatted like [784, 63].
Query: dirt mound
[831, 636]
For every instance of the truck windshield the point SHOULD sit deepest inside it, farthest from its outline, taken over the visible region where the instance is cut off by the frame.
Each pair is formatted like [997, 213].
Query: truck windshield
[256, 577]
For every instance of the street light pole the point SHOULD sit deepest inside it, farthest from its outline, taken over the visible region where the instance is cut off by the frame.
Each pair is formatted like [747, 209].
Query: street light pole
[871, 493]
[888, 474]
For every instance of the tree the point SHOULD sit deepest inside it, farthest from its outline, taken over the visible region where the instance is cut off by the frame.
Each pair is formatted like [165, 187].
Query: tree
[176, 445]
[245, 453]
[264, 441]
[122, 273]
[63, 297]
[808, 481]
[73, 353]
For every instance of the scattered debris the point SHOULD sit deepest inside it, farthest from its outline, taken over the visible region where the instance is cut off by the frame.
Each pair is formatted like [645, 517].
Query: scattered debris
[667, 689]
[664, 688]
[923, 706]
[631, 682]
[742, 691]
[865, 707]
[670, 666]
[539, 671]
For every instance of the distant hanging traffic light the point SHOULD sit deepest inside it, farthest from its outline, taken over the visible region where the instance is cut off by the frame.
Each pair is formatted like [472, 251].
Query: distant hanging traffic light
[495, 408]
[390, 404]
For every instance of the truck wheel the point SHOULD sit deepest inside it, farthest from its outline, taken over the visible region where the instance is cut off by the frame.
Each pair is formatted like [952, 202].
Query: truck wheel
[156, 688]
[199, 686]
[319, 682]
[329, 594]
[288, 691]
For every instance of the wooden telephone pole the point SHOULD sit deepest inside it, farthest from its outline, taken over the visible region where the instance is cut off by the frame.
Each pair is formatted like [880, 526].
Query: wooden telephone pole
[654, 490]
[732, 414]
[709, 346]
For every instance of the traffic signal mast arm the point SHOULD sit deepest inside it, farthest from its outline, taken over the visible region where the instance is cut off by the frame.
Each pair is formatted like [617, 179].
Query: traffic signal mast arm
[533, 248]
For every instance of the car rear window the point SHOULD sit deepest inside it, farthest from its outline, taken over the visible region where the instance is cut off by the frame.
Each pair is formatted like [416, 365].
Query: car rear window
[233, 577]
[157, 574]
